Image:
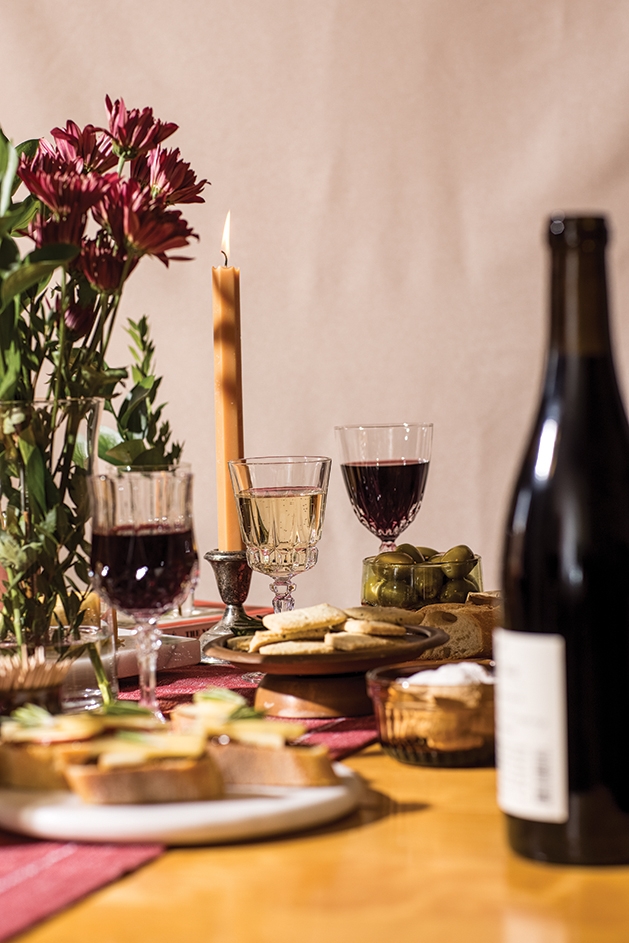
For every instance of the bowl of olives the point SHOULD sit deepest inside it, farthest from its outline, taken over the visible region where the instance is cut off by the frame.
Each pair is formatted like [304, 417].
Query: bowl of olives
[411, 577]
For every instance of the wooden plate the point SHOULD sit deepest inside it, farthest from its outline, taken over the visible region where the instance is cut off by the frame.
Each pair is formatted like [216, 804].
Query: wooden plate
[410, 647]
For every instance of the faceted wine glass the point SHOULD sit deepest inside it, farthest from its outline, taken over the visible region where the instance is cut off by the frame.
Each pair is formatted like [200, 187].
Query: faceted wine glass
[385, 470]
[144, 559]
[281, 505]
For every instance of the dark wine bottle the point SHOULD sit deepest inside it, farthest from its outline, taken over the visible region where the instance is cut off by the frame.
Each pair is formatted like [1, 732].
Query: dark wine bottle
[563, 655]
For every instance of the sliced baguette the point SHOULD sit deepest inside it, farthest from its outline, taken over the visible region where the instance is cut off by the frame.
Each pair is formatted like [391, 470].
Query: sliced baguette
[244, 764]
[32, 766]
[169, 780]
[469, 626]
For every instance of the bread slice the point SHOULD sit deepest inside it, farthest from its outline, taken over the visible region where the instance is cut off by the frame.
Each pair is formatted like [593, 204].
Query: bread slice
[469, 626]
[244, 764]
[32, 766]
[312, 617]
[169, 780]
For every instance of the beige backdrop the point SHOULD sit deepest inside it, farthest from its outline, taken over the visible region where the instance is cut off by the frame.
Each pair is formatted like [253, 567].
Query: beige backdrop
[389, 165]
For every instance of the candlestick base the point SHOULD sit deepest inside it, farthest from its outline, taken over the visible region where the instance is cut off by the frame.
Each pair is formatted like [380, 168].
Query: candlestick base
[233, 578]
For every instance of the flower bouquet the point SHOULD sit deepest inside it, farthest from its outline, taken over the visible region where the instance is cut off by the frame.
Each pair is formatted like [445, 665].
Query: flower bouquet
[98, 200]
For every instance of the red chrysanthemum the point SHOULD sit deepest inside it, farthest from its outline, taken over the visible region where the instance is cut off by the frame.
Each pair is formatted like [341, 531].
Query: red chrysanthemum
[170, 178]
[79, 319]
[102, 264]
[134, 132]
[139, 224]
[87, 150]
[47, 231]
[62, 189]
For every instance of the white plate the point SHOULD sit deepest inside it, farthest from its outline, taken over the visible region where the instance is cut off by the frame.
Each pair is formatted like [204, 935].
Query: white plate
[247, 812]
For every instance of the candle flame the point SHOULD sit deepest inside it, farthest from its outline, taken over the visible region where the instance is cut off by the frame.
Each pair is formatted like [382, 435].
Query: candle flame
[226, 233]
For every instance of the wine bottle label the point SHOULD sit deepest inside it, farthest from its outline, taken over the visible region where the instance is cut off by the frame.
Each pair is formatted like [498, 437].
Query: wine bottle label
[531, 725]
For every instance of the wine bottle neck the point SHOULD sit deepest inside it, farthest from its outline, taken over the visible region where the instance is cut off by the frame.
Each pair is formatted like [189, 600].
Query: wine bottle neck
[579, 313]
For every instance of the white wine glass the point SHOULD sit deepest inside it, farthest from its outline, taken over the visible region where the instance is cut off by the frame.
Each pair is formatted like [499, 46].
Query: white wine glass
[281, 506]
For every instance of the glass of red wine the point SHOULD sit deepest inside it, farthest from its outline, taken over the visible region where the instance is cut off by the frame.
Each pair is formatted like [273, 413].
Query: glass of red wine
[144, 559]
[385, 468]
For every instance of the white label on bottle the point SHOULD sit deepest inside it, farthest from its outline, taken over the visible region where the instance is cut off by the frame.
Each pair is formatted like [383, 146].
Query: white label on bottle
[531, 725]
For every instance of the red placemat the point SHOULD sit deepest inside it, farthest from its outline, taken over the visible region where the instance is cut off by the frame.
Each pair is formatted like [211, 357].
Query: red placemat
[39, 878]
[343, 735]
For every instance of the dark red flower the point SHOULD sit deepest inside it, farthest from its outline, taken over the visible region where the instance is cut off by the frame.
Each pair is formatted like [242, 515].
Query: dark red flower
[87, 150]
[102, 264]
[138, 224]
[80, 319]
[47, 230]
[135, 132]
[170, 178]
[63, 190]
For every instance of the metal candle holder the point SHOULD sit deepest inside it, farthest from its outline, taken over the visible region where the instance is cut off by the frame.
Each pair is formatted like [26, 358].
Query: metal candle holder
[233, 578]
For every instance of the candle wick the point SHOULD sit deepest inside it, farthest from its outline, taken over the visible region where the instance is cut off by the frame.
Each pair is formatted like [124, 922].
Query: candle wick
[224, 254]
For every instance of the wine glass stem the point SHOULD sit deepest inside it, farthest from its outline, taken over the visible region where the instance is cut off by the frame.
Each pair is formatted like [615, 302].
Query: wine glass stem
[282, 600]
[387, 545]
[148, 643]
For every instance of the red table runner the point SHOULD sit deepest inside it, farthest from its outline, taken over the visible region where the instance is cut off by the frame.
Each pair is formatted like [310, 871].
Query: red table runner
[39, 878]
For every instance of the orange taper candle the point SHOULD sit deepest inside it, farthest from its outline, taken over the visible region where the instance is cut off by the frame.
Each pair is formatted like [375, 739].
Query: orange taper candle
[227, 392]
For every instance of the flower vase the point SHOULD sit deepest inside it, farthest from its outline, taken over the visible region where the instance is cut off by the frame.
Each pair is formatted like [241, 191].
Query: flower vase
[47, 451]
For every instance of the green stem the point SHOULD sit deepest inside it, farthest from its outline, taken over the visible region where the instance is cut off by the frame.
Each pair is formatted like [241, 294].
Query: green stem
[101, 678]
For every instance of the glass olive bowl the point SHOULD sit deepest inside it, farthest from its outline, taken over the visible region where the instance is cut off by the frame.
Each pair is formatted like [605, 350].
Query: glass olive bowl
[430, 725]
[414, 585]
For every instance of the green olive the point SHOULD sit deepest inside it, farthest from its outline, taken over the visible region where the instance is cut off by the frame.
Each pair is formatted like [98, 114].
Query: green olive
[413, 552]
[371, 590]
[458, 562]
[456, 590]
[428, 581]
[397, 594]
[426, 552]
[393, 565]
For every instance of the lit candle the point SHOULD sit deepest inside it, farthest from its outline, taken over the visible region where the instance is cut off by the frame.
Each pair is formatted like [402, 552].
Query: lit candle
[227, 391]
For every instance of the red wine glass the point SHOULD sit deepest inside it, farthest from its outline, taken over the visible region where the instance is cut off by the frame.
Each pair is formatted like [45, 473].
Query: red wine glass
[143, 559]
[385, 468]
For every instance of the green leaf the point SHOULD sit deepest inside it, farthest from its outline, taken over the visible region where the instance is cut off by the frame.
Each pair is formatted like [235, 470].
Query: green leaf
[19, 215]
[107, 439]
[10, 161]
[126, 453]
[37, 265]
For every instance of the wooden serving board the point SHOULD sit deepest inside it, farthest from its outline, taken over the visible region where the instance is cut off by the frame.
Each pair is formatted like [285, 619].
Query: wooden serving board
[410, 647]
[307, 686]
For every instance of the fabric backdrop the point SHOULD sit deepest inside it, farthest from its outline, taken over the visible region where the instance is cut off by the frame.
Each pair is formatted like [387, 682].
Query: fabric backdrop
[389, 165]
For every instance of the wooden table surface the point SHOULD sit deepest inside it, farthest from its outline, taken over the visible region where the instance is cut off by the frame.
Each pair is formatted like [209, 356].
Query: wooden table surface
[424, 860]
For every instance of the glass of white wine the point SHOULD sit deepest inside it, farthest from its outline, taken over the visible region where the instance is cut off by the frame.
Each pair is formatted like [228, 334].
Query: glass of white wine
[281, 506]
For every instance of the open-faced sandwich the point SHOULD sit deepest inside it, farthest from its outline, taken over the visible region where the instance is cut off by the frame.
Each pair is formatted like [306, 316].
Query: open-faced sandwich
[248, 748]
[119, 756]
[123, 755]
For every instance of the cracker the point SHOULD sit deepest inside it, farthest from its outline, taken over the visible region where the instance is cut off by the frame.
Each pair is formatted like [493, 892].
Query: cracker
[296, 648]
[363, 627]
[345, 642]
[288, 635]
[385, 614]
[239, 643]
[312, 617]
